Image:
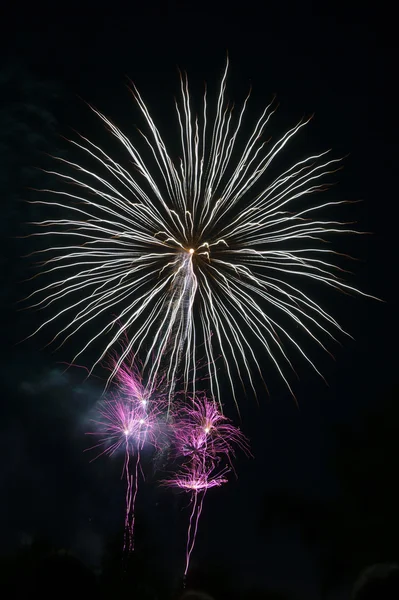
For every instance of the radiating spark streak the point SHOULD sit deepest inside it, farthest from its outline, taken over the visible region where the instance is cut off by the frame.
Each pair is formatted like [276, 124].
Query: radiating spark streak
[193, 252]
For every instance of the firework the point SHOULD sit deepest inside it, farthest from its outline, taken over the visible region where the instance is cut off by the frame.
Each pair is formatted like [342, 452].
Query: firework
[206, 251]
[197, 478]
[202, 438]
[131, 418]
[200, 428]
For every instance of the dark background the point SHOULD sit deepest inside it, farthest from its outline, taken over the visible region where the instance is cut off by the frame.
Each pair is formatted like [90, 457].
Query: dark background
[324, 472]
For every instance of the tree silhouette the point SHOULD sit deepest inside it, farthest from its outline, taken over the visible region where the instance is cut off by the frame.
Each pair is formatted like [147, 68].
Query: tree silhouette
[360, 526]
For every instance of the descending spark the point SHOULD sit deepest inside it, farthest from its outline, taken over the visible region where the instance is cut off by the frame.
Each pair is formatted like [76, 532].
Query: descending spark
[205, 251]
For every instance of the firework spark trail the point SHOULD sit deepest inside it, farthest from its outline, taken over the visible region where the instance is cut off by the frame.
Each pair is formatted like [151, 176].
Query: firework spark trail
[129, 420]
[194, 516]
[202, 437]
[131, 494]
[196, 478]
[181, 251]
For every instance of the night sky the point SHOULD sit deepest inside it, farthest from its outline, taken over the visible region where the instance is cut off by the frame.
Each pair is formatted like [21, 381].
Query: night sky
[326, 59]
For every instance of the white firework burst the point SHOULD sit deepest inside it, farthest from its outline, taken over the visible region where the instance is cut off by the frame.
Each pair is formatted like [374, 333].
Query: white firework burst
[197, 258]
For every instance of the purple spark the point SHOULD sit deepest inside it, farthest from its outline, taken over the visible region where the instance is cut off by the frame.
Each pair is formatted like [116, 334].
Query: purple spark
[201, 435]
[196, 477]
[199, 428]
[131, 418]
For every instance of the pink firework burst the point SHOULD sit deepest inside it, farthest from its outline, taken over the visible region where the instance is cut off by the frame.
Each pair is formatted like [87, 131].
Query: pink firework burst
[202, 437]
[196, 477]
[132, 418]
[200, 428]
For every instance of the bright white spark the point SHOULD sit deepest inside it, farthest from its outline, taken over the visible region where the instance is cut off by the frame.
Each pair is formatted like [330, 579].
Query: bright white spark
[206, 252]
